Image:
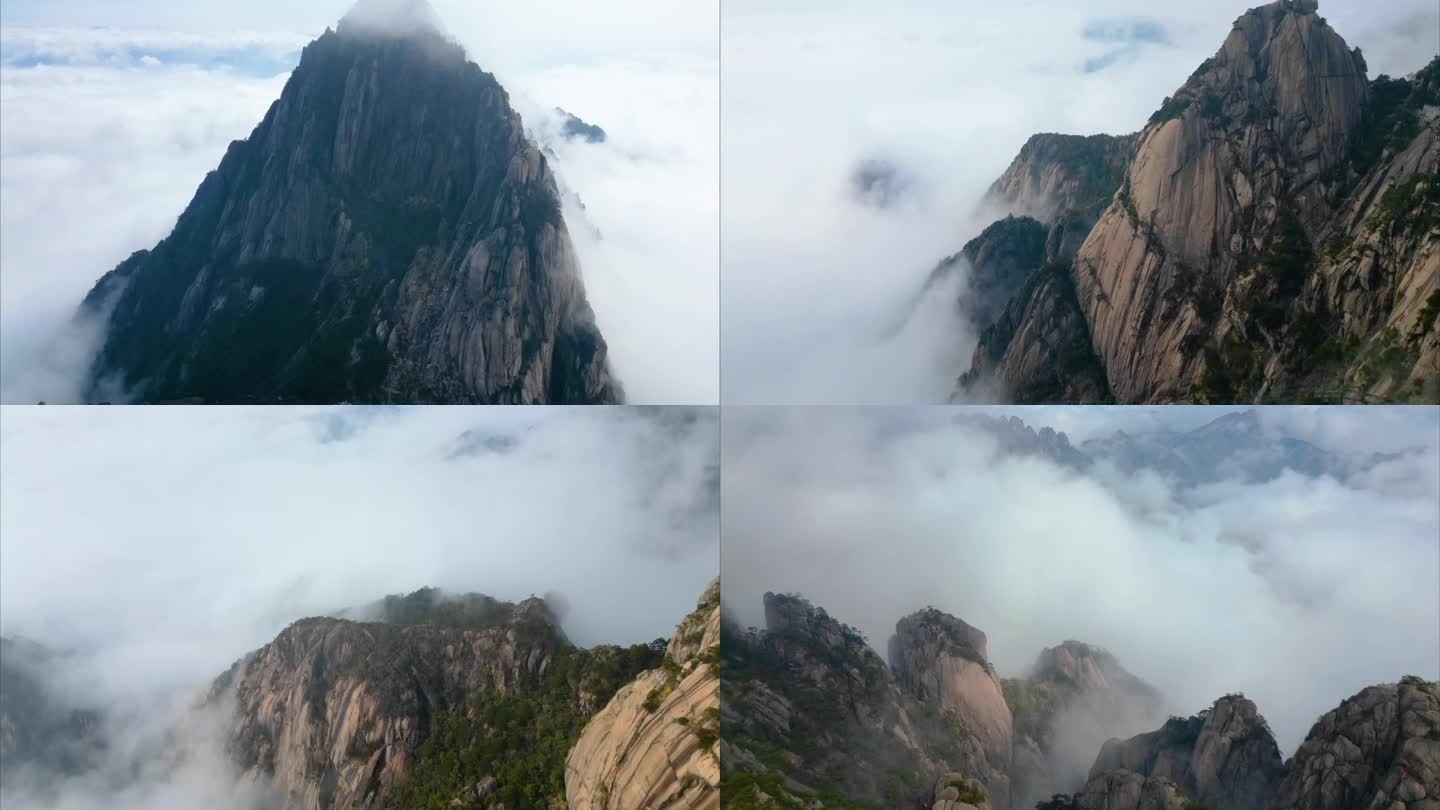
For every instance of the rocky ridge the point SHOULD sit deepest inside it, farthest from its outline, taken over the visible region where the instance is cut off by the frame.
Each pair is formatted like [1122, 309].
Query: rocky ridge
[813, 716]
[472, 702]
[1379, 750]
[814, 719]
[332, 713]
[1225, 756]
[387, 233]
[656, 743]
[1273, 235]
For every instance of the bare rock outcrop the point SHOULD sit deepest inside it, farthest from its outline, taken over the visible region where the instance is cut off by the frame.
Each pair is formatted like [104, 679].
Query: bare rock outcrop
[656, 744]
[941, 661]
[1225, 756]
[1379, 750]
[1126, 790]
[331, 712]
[808, 707]
[1241, 147]
[1275, 237]
[386, 234]
[1038, 349]
[1055, 175]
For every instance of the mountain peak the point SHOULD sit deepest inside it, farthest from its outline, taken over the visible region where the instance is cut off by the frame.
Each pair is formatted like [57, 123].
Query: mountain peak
[1246, 422]
[400, 18]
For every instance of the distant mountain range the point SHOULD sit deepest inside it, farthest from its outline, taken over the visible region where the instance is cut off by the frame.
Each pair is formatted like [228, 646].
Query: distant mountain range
[1233, 447]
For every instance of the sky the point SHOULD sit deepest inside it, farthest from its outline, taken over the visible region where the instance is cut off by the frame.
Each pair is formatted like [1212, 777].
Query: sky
[1298, 592]
[818, 288]
[161, 545]
[111, 114]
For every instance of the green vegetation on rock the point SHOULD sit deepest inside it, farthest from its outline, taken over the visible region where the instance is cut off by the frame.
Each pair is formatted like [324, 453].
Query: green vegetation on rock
[970, 793]
[1391, 121]
[741, 790]
[520, 739]
[1170, 109]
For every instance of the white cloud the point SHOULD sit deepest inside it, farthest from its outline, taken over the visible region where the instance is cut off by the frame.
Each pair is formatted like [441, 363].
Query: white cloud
[96, 163]
[226, 511]
[107, 132]
[951, 90]
[158, 545]
[1298, 592]
[651, 192]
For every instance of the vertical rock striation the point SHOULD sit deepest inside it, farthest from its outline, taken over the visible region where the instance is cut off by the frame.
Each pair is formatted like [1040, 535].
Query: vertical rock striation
[1225, 757]
[1273, 235]
[386, 234]
[656, 743]
[332, 712]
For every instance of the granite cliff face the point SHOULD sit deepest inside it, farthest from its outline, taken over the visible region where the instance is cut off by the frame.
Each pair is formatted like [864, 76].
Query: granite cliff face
[466, 701]
[813, 719]
[656, 743]
[1274, 235]
[1074, 698]
[1379, 750]
[940, 660]
[386, 234]
[332, 713]
[1225, 756]
[812, 715]
[1056, 176]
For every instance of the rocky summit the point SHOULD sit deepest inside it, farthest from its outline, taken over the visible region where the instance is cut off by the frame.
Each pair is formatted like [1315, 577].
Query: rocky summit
[656, 743]
[333, 713]
[1225, 756]
[467, 701]
[1271, 234]
[386, 234]
[812, 715]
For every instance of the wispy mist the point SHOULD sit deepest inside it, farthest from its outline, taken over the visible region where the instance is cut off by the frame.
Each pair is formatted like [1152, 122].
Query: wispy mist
[811, 276]
[107, 132]
[1298, 592]
[156, 546]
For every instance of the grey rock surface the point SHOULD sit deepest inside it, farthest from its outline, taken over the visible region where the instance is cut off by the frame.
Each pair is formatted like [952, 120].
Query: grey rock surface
[386, 234]
[1226, 758]
[1379, 750]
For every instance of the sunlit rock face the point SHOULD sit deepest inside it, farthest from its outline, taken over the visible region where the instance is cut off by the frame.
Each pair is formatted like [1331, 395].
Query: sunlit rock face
[1225, 757]
[1240, 148]
[1379, 750]
[656, 743]
[332, 712]
[1269, 236]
